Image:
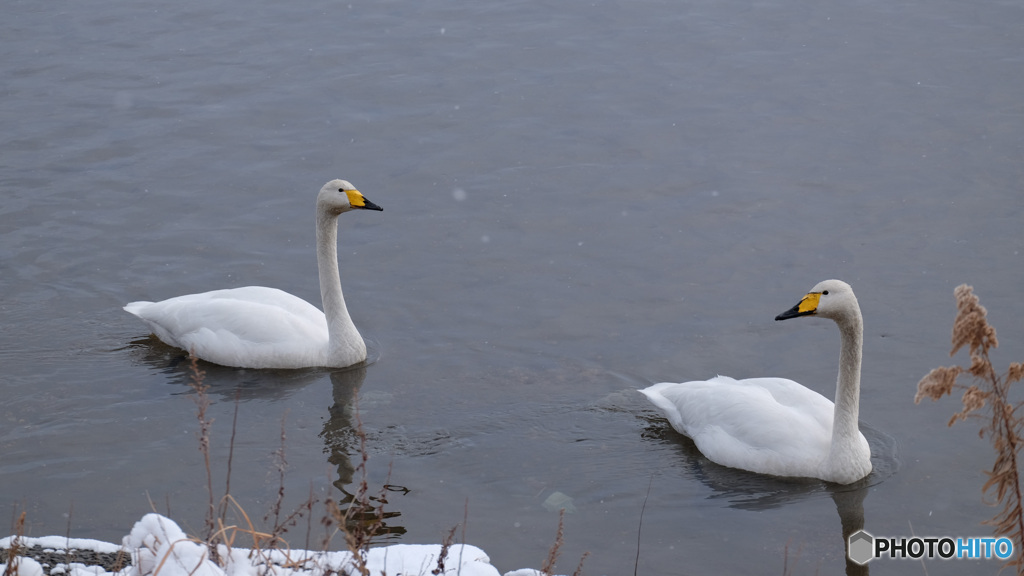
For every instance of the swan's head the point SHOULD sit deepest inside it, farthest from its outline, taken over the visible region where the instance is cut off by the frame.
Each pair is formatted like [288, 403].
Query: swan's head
[831, 299]
[339, 196]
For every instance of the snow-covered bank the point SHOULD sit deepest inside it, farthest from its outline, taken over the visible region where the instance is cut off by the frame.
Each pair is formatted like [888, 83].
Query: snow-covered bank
[158, 547]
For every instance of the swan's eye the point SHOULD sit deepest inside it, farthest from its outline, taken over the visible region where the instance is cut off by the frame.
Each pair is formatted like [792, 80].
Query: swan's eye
[341, 189]
[824, 292]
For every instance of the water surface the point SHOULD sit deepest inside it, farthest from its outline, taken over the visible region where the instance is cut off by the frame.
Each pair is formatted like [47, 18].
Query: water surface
[580, 199]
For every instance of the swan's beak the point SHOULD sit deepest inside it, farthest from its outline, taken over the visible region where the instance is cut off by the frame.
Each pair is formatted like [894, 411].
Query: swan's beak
[807, 306]
[367, 205]
[357, 200]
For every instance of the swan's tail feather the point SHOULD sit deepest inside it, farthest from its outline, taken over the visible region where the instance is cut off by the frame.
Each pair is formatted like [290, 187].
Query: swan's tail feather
[136, 307]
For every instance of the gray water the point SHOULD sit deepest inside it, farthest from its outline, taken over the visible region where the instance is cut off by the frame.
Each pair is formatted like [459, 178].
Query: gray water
[580, 199]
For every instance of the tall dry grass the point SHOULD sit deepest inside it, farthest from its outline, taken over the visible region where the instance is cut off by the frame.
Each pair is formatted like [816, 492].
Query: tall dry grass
[13, 553]
[359, 517]
[548, 567]
[987, 398]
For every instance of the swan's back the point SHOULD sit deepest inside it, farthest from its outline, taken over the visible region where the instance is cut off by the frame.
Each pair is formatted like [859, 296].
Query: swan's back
[250, 327]
[766, 425]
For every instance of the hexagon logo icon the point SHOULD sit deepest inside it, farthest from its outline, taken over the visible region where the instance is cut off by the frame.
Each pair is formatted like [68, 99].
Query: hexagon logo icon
[861, 547]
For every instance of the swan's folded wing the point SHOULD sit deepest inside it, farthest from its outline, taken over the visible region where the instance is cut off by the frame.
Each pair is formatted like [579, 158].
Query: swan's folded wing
[741, 424]
[249, 327]
[264, 295]
[795, 396]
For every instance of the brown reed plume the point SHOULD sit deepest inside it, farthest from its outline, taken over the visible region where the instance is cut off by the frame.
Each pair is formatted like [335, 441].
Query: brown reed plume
[13, 559]
[548, 567]
[202, 399]
[217, 528]
[556, 548]
[1002, 424]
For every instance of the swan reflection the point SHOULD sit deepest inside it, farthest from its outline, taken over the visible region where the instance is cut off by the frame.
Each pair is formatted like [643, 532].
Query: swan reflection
[743, 490]
[344, 439]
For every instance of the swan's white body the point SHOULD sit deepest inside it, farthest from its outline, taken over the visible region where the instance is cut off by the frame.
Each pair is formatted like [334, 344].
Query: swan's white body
[774, 425]
[260, 327]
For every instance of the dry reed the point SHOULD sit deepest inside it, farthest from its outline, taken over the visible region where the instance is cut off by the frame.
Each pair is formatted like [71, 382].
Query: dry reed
[556, 549]
[1002, 424]
[552, 559]
[218, 530]
[198, 384]
[13, 558]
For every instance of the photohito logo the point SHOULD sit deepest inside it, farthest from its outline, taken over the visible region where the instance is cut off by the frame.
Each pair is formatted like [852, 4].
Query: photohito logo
[863, 547]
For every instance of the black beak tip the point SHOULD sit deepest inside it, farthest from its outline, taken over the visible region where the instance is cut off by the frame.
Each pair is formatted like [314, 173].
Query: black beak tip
[791, 313]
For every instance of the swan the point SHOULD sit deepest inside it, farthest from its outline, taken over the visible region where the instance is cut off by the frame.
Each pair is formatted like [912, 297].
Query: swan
[260, 327]
[774, 425]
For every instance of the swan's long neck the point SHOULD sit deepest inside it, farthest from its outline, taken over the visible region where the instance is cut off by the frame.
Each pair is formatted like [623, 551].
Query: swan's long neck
[845, 432]
[345, 343]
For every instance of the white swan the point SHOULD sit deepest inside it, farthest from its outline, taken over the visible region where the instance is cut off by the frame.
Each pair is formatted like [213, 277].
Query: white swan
[774, 425]
[260, 327]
